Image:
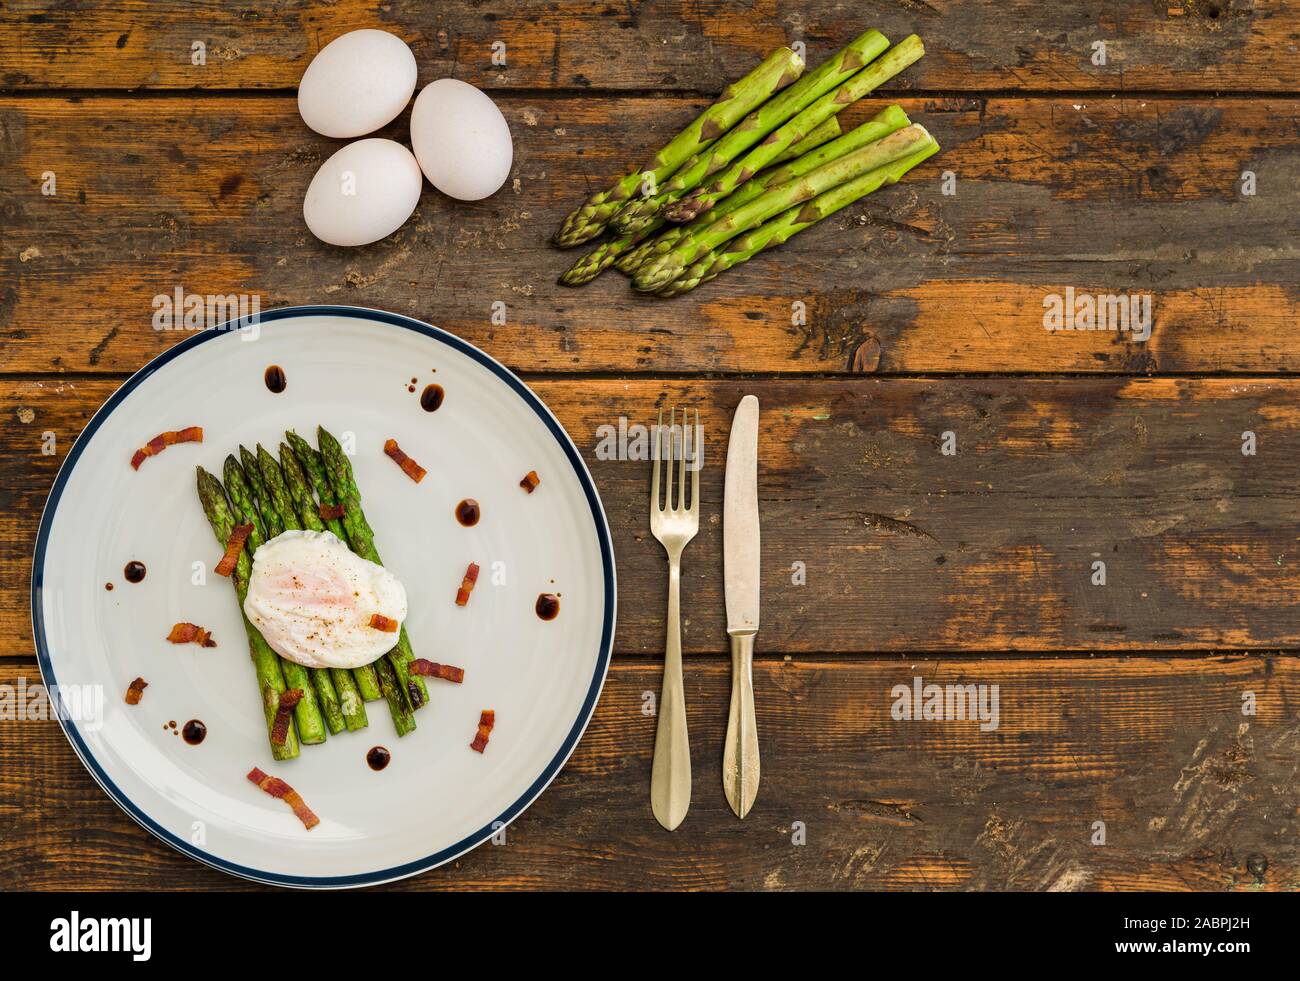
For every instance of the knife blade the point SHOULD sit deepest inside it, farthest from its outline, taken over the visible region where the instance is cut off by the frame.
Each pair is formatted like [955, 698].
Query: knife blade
[740, 549]
[740, 534]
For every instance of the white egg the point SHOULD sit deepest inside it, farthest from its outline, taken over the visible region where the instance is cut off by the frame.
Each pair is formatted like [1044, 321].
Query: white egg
[312, 598]
[358, 82]
[363, 192]
[461, 140]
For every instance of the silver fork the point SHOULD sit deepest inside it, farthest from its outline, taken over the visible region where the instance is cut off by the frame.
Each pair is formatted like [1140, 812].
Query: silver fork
[674, 525]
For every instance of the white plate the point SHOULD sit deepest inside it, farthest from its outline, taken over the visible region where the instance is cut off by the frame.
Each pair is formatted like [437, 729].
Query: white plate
[348, 369]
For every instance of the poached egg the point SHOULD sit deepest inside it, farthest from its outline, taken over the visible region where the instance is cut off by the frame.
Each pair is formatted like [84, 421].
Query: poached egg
[312, 599]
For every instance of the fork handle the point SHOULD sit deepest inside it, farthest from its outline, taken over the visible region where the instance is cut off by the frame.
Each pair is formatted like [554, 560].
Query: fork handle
[740, 755]
[670, 775]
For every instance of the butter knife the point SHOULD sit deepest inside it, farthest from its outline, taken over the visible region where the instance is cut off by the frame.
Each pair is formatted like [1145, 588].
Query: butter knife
[740, 566]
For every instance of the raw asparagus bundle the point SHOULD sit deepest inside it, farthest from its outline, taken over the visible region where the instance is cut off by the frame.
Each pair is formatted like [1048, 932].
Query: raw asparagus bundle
[270, 678]
[661, 270]
[637, 215]
[777, 230]
[879, 126]
[778, 70]
[905, 53]
[599, 259]
[778, 159]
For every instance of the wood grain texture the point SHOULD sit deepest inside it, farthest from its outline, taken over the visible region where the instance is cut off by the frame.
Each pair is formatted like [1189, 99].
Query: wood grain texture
[1194, 795]
[1226, 45]
[1139, 196]
[905, 549]
[1115, 178]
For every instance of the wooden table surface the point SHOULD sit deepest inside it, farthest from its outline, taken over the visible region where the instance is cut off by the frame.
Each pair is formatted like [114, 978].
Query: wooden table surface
[1120, 704]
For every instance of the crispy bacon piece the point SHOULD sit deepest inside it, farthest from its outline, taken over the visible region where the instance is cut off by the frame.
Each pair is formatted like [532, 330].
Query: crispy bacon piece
[530, 481]
[409, 466]
[328, 512]
[233, 547]
[486, 720]
[134, 690]
[380, 622]
[280, 727]
[190, 434]
[278, 788]
[467, 584]
[185, 633]
[432, 669]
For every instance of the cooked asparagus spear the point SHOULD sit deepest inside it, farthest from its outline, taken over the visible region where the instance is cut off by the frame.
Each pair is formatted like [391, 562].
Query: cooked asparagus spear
[704, 197]
[313, 721]
[366, 677]
[307, 713]
[362, 538]
[309, 457]
[270, 678]
[349, 686]
[598, 260]
[638, 215]
[242, 499]
[331, 706]
[658, 272]
[777, 71]
[398, 706]
[255, 483]
[300, 493]
[403, 691]
[886, 121]
[773, 232]
[321, 688]
[241, 496]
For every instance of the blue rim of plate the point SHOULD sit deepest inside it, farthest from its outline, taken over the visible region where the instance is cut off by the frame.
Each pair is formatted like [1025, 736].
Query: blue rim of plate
[607, 629]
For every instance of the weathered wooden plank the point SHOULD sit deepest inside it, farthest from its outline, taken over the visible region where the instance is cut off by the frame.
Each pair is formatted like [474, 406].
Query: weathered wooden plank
[904, 548]
[1224, 45]
[1121, 196]
[1193, 794]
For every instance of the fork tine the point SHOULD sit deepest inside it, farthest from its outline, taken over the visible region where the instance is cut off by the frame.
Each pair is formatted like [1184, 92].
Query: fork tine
[668, 476]
[681, 476]
[654, 480]
[695, 465]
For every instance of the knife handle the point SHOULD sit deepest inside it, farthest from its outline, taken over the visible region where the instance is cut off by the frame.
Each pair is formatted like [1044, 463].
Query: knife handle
[670, 774]
[740, 756]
